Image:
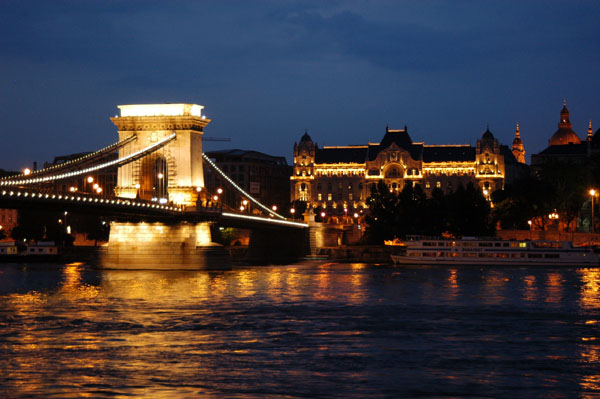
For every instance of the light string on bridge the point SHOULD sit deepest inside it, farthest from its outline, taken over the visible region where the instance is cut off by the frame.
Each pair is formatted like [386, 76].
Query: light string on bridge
[89, 199]
[121, 161]
[73, 162]
[262, 219]
[241, 190]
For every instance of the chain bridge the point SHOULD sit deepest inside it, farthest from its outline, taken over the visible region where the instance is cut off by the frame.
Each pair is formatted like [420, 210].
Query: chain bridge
[160, 210]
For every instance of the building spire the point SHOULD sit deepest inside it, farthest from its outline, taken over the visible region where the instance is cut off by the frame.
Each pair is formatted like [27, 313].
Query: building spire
[590, 135]
[518, 149]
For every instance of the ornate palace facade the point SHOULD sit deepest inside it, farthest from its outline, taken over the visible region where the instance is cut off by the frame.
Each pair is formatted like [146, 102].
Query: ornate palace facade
[340, 178]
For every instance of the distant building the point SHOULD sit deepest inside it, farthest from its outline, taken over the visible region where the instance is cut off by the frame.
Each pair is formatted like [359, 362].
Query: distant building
[264, 177]
[341, 177]
[566, 146]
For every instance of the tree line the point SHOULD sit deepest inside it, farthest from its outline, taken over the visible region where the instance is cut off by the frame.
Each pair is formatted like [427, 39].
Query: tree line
[464, 212]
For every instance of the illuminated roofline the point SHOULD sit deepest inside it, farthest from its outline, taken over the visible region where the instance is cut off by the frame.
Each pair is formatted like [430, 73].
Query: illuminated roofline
[333, 147]
[176, 109]
[448, 145]
[326, 165]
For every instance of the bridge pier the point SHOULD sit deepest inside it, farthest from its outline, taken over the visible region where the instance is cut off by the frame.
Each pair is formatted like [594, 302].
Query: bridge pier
[272, 246]
[163, 246]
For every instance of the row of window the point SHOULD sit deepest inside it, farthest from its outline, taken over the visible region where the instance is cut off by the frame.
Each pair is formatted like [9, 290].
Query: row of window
[340, 186]
[339, 173]
[441, 254]
[339, 197]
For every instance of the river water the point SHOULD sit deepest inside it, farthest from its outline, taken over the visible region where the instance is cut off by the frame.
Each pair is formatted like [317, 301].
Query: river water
[314, 330]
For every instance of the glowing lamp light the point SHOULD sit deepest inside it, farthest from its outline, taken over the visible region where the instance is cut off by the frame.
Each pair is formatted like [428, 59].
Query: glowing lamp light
[137, 186]
[356, 215]
[96, 186]
[26, 171]
[90, 179]
[160, 175]
[216, 198]
[242, 208]
[322, 214]
[99, 190]
[198, 189]
[592, 192]
[274, 207]
[220, 190]
[244, 202]
[292, 211]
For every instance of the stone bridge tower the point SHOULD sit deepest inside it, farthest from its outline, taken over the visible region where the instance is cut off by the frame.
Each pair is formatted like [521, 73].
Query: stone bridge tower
[173, 173]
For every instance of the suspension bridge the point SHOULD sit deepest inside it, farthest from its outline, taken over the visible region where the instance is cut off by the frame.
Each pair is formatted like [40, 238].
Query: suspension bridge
[160, 209]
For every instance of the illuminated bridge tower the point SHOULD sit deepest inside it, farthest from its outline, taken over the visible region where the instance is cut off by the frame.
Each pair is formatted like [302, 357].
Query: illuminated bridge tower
[174, 172]
[171, 173]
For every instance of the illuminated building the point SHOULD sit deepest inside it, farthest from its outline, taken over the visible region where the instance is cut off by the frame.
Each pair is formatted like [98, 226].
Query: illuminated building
[340, 177]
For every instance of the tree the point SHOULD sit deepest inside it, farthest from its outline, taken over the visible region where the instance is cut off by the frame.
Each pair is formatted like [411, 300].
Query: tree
[468, 212]
[382, 217]
[411, 212]
[436, 214]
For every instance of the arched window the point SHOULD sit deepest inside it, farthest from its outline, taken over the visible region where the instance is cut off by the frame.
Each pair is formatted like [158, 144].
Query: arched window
[161, 180]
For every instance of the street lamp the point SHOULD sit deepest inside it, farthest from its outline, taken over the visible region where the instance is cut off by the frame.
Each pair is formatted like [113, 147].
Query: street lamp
[593, 194]
[529, 223]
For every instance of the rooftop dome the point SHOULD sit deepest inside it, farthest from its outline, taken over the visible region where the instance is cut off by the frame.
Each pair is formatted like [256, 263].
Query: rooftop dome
[565, 134]
[305, 137]
[487, 135]
[564, 137]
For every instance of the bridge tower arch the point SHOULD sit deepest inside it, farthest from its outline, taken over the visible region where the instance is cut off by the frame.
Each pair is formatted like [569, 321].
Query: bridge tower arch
[175, 170]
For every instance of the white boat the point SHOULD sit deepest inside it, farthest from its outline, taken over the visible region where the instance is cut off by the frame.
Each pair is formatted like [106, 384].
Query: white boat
[494, 252]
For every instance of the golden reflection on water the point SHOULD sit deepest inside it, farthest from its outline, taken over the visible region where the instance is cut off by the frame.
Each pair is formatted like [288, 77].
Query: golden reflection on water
[554, 288]
[246, 283]
[494, 284]
[453, 288]
[323, 290]
[590, 288]
[356, 291]
[123, 297]
[530, 289]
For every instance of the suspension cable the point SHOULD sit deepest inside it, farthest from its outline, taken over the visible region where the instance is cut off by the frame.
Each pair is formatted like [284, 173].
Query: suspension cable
[118, 162]
[73, 163]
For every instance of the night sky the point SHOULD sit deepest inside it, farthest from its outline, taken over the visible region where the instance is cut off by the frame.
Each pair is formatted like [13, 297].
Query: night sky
[266, 71]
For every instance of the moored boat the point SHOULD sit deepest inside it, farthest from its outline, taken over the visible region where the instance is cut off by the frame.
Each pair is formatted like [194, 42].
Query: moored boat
[494, 252]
